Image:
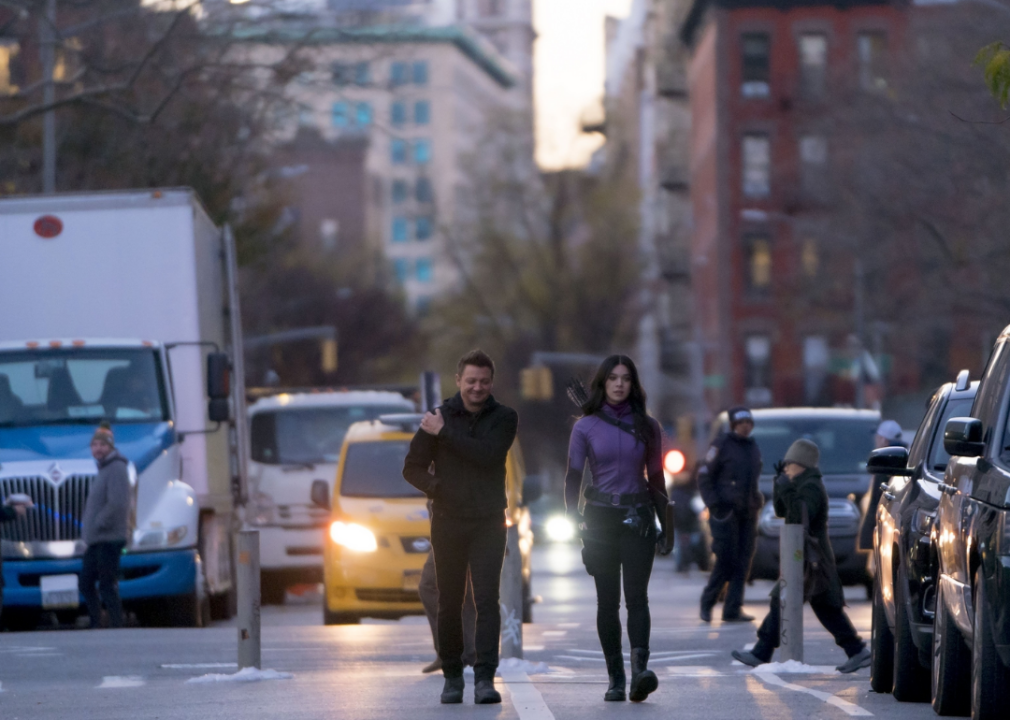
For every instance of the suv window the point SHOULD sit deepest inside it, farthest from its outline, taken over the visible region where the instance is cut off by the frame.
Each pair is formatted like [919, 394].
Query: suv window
[938, 456]
[917, 452]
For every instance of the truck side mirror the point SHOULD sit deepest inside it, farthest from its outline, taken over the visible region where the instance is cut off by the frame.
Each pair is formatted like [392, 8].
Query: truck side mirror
[320, 494]
[219, 410]
[218, 376]
[533, 489]
[889, 461]
[963, 436]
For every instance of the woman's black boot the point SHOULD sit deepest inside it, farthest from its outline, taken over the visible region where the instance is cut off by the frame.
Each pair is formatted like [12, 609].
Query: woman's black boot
[615, 669]
[643, 680]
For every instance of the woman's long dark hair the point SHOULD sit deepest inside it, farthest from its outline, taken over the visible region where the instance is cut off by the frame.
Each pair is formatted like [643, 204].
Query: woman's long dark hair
[636, 398]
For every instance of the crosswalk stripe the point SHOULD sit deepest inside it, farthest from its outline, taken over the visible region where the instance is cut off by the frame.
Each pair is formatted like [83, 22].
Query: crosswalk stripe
[845, 706]
[526, 699]
[126, 681]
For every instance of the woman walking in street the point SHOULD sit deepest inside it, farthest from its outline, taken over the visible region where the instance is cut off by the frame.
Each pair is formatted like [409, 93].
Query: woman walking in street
[623, 447]
[800, 498]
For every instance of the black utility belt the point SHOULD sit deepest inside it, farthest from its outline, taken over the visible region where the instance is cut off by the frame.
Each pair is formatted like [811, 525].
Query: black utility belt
[617, 499]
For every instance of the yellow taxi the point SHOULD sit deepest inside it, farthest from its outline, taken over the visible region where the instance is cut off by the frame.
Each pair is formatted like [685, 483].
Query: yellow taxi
[379, 533]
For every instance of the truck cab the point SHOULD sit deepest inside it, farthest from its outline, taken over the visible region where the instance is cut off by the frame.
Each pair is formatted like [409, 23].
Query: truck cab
[296, 439]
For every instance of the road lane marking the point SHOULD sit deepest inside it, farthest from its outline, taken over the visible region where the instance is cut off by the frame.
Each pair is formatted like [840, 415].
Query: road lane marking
[693, 671]
[126, 681]
[678, 658]
[198, 666]
[554, 633]
[845, 706]
[526, 699]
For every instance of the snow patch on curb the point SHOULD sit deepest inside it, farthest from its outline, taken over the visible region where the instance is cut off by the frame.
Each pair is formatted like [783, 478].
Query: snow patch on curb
[796, 668]
[530, 668]
[249, 674]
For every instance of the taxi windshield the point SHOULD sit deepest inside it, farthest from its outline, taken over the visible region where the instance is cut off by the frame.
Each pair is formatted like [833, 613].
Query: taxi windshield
[375, 470]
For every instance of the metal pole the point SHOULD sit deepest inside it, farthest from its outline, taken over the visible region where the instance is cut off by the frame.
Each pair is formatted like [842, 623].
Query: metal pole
[48, 52]
[511, 597]
[248, 599]
[791, 592]
[860, 333]
[239, 418]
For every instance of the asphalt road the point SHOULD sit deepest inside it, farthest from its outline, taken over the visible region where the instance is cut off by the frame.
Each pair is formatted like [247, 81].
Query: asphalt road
[372, 671]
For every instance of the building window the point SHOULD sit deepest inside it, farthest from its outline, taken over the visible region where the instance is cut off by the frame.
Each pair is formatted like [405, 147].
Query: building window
[759, 265]
[422, 228]
[423, 192]
[339, 114]
[328, 230]
[813, 65]
[420, 72]
[400, 229]
[401, 268]
[399, 74]
[755, 50]
[810, 258]
[398, 114]
[756, 166]
[398, 151]
[306, 118]
[424, 270]
[362, 74]
[343, 74]
[758, 353]
[363, 115]
[813, 150]
[422, 152]
[816, 358]
[8, 51]
[871, 49]
[422, 112]
[490, 8]
[399, 192]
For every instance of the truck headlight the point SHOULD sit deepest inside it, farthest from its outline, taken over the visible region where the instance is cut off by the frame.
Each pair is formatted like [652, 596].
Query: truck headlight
[150, 539]
[560, 529]
[261, 509]
[353, 536]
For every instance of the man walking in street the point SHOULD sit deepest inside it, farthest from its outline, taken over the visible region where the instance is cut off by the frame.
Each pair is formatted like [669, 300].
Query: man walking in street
[728, 481]
[105, 527]
[466, 442]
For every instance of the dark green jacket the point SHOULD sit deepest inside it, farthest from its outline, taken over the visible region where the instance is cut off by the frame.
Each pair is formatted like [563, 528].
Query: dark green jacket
[790, 496]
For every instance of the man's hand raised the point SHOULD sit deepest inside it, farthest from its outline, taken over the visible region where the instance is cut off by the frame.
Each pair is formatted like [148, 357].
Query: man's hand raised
[433, 422]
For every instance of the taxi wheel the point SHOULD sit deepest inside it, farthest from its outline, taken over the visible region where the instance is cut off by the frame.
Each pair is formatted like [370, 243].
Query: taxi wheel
[339, 618]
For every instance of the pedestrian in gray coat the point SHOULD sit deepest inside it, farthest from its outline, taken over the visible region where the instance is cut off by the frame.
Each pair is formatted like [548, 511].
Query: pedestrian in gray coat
[105, 528]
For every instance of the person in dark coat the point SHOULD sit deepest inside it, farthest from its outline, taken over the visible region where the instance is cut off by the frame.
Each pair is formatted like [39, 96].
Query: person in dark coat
[728, 481]
[798, 486]
[888, 435]
[466, 442]
[105, 529]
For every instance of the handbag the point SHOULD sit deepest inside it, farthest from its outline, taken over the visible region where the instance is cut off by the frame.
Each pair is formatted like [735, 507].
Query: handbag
[816, 577]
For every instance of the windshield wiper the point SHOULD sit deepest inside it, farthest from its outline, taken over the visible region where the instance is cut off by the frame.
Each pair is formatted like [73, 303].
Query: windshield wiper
[298, 466]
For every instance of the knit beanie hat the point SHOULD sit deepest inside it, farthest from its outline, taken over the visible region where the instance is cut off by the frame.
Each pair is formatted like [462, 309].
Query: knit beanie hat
[803, 452]
[104, 433]
[739, 414]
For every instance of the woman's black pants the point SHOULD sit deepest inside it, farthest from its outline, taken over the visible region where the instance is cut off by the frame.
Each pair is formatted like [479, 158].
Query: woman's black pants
[610, 547]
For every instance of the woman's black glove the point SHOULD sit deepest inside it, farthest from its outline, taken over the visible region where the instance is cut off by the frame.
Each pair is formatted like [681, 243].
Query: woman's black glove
[780, 467]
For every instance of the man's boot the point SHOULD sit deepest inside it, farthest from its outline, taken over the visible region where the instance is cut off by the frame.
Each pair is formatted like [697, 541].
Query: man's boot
[485, 694]
[615, 669]
[452, 691]
[643, 680]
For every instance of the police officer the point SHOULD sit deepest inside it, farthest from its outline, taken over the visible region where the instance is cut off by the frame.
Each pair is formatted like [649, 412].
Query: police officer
[728, 481]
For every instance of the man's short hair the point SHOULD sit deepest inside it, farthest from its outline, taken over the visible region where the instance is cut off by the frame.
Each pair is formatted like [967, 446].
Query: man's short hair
[477, 358]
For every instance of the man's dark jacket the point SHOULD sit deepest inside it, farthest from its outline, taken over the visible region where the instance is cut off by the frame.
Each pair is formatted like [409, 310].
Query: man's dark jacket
[728, 477]
[6, 513]
[807, 488]
[469, 459]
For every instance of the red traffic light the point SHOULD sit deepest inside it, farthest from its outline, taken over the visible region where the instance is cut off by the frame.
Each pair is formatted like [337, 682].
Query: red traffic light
[674, 462]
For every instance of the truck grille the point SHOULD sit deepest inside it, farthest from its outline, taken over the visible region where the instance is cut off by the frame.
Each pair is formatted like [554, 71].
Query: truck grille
[58, 508]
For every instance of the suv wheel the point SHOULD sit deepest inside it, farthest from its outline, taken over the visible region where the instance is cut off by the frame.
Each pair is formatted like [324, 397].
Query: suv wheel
[949, 678]
[881, 646]
[990, 679]
[911, 679]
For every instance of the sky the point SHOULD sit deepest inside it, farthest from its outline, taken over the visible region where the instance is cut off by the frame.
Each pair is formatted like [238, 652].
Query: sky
[568, 76]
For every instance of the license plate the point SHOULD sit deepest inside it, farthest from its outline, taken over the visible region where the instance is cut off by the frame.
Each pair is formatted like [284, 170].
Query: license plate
[411, 579]
[59, 591]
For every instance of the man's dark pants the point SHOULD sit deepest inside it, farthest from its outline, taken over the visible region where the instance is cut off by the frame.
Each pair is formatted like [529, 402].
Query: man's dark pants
[428, 590]
[101, 566]
[830, 614]
[477, 544]
[733, 539]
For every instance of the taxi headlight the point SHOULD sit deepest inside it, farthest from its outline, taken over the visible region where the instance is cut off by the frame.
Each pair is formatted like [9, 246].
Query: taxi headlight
[353, 536]
[560, 529]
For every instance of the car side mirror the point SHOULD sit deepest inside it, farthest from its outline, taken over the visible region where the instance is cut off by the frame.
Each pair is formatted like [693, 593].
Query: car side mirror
[889, 461]
[320, 494]
[533, 489]
[963, 436]
[218, 376]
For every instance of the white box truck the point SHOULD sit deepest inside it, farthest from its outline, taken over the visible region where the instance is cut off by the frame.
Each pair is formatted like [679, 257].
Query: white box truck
[121, 306]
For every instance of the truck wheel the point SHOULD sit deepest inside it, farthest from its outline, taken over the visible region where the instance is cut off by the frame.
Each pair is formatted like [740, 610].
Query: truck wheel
[911, 679]
[187, 610]
[881, 646]
[339, 618]
[223, 606]
[272, 590]
[950, 677]
[990, 678]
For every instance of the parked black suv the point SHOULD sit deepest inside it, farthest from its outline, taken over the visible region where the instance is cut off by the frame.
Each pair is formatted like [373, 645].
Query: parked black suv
[971, 630]
[904, 593]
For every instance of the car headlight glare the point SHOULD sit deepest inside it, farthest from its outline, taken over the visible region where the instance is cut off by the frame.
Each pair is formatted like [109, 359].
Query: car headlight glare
[353, 536]
[150, 539]
[560, 529]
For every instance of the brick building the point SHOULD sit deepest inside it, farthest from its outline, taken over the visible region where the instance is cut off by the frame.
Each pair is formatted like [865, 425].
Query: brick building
[765, 78]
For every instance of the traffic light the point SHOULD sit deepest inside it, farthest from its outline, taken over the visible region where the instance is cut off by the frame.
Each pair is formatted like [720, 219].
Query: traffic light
[674, 461]
[536, 383]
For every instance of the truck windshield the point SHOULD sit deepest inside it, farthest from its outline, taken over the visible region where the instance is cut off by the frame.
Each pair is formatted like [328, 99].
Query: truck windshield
[938, 456]
[57, 386]
[307, 436]
[375, 470]
[844, 444]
